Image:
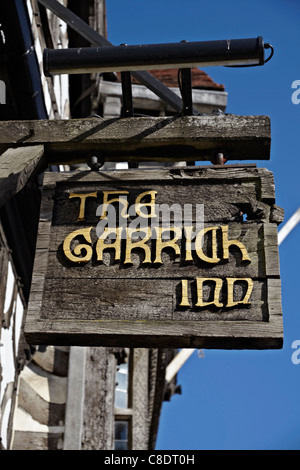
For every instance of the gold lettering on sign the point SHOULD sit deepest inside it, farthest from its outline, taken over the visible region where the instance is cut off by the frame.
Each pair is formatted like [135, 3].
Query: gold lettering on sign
[230, 281]
[83, 198]
[78, 249]
[208, 245]
[131, 244]
[161, 242]
[230, 284]
[161, 245]
[217, 290]
[227, 243]
[184, 294]
[114, 234]
[122, 200]
[151, 204]
[188, 243]
[199, 244]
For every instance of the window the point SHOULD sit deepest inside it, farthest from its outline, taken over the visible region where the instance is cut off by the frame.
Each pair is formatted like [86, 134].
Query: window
[121, 390]
[121, 435]
[122, 402]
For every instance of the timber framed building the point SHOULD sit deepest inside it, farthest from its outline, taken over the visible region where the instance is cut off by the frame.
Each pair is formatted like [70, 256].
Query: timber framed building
[119, 392]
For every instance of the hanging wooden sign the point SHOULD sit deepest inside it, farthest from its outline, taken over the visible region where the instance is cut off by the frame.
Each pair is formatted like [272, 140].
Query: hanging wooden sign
[180, 257]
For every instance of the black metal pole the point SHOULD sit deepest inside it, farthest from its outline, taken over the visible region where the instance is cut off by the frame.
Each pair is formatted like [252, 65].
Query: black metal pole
[154, 56]
[127, 110]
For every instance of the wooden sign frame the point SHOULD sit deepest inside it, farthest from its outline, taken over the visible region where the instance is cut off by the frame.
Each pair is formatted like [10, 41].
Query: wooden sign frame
[157, 296]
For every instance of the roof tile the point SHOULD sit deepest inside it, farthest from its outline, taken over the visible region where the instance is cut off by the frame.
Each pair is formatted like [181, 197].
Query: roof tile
[169, 77]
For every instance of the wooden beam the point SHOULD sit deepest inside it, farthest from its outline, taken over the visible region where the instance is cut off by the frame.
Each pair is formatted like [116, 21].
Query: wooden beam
[98, 410]
[17, 165]
[176, 138]
[75, 401]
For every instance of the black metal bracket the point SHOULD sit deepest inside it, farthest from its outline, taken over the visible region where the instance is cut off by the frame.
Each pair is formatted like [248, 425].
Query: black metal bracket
[185, 86]
[127, 110]
[219, 157]
[95, 161]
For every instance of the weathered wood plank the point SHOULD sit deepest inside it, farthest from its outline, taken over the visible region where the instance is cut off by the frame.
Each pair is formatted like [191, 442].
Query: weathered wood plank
[75, 401]
[212, 335]
[174, 198]
[16, 167]
[232, 173]
[144, 300]
[187, 138]
[100, 371]
[140, 405]
[227, 174]
[225, 193]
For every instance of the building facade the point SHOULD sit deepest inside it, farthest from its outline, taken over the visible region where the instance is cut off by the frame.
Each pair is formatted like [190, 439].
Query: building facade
[70, 397]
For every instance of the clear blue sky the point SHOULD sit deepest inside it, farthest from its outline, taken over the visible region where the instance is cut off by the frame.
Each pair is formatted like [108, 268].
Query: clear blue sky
[238, 399]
